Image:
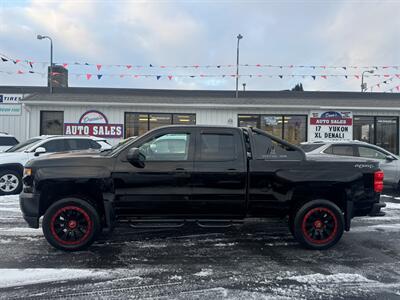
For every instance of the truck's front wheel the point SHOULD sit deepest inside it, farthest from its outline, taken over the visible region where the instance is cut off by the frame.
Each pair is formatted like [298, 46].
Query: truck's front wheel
[71, 224]
[319, 224]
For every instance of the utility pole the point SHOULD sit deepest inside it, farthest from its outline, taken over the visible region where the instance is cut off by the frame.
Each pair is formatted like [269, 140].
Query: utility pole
[239, 37]
[41, 37]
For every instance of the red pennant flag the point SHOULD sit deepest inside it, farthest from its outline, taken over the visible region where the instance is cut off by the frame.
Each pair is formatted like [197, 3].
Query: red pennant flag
[386, 75]
[88, 76]
[202, 75]
[163, 67]
[398, 87]
[357, 76]
[398, 75]
[196, 66]
[169, 77]
[323, 67]
[258, 65]
[324, 76]
[129, 66]
[385, 67]
[20, 72]
[65, 65]
[17, 61]
[136, 76]
[98, 67]
[121, 76]
[378, 85]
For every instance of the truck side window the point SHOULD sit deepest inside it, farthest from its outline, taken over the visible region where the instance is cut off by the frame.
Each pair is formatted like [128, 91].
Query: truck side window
[217, 147]
[268, 149]
[168, 147]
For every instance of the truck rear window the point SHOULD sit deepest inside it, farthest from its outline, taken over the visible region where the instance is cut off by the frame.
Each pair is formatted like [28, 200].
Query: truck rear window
[268, 149]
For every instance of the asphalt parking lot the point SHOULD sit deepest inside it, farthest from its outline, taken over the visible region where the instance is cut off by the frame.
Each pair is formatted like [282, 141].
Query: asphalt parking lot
[259, 260]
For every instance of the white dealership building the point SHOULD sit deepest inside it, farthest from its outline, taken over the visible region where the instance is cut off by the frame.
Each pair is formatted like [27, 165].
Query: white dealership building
[119, 113]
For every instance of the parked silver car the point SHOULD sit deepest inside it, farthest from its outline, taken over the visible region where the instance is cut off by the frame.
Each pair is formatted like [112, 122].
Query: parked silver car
[388, 162]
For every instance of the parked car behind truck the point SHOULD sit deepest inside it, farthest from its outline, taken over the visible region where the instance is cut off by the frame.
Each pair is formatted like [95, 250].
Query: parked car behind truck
[208, 175]
[388, 162]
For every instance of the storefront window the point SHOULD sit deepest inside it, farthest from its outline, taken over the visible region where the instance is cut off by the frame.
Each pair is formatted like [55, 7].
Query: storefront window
[51, 122]
[295, 129]
[387, 133]
[137, 124]
[363, 129]
[249, 121]
[158, 120]
[292, 128]
[381, 131]
[184, 119]
[273, 125]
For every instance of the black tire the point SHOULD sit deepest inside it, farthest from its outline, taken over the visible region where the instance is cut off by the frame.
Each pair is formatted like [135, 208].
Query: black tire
[78, 227]
[15, 181]
[318, 224]
[291, 224]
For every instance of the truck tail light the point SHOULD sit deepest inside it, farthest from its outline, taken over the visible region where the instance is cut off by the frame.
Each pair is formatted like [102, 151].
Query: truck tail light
[378, 181]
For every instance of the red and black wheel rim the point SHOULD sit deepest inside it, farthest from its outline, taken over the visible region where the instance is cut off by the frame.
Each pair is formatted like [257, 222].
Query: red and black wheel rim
[71, 225]
[320, 225]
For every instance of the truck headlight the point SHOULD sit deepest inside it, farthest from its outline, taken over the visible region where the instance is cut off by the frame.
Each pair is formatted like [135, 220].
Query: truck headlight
[27, 172]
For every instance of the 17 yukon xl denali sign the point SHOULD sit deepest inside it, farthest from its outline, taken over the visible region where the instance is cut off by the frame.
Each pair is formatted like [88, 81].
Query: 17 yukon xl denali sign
[330, 126]
[94, 123]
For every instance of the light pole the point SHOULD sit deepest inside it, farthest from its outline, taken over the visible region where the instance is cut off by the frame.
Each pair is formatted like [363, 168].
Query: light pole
[364, 85]
[41, 37]
[244, 87]
[239, 37]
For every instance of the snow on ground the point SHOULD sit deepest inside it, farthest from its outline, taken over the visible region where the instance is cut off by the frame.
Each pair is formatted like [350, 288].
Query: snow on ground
[319, 278]
[18, 277]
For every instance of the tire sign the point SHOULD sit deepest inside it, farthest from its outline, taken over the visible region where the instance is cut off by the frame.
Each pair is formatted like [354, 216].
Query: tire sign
[330, 126]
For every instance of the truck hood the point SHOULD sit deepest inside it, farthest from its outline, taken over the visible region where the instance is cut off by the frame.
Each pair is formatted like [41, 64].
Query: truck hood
[69, 159]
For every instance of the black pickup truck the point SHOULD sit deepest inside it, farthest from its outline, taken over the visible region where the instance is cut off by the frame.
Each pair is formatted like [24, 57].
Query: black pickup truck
[209, 175]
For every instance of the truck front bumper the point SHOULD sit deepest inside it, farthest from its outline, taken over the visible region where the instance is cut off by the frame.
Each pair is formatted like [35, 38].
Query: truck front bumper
[376, 210]
[29, 204]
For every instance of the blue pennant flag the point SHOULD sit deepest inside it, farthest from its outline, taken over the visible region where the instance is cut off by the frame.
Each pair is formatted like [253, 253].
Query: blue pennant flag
[158, 77]
[99, 76]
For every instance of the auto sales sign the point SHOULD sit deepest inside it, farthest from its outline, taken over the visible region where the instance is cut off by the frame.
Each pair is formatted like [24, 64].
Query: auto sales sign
[94, 123]
[330, 126]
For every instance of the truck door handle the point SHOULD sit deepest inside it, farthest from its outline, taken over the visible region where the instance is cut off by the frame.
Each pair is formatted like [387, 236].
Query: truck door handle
[181, 173]
[180, 170]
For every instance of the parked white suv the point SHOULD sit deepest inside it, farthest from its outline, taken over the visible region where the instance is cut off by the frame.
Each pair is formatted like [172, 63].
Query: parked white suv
[12, 161]
[7, 141]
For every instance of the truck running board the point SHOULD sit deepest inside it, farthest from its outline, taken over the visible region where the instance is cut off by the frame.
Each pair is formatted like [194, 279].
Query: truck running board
[168, 223]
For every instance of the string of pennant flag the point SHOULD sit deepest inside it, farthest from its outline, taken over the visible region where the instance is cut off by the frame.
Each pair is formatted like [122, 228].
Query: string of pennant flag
[171, 76]
[99, 66]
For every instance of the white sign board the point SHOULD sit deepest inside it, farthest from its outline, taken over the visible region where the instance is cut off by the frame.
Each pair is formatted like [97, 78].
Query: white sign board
[10, 98]
[10, 109]
[330, 126]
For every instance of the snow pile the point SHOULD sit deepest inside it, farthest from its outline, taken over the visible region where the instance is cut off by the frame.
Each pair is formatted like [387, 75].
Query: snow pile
[204, 273]
[18, 277]
[319, 278]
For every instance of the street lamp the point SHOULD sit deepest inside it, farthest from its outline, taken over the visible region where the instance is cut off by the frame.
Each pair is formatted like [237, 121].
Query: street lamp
[239, 37]
[41, 37]
[364, 85]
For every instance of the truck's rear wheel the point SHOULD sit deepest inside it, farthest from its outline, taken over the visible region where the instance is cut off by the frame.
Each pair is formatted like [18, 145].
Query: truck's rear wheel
[71, 224]
[318, 224]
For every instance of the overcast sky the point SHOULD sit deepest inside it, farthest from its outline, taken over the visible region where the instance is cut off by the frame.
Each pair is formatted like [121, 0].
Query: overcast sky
[321, 33]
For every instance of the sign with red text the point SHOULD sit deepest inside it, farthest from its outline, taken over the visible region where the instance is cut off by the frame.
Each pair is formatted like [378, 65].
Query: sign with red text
[330, 126]
[94, 123]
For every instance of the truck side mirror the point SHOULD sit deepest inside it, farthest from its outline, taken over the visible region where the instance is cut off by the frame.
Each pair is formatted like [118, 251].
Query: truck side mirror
[135, 157]
[40, 150]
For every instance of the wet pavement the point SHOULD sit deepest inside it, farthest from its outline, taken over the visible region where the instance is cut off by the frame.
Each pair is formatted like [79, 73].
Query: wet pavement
[259, 260]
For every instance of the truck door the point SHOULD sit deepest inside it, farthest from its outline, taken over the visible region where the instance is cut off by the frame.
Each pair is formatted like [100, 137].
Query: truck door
[163, 187]
[220, 174]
